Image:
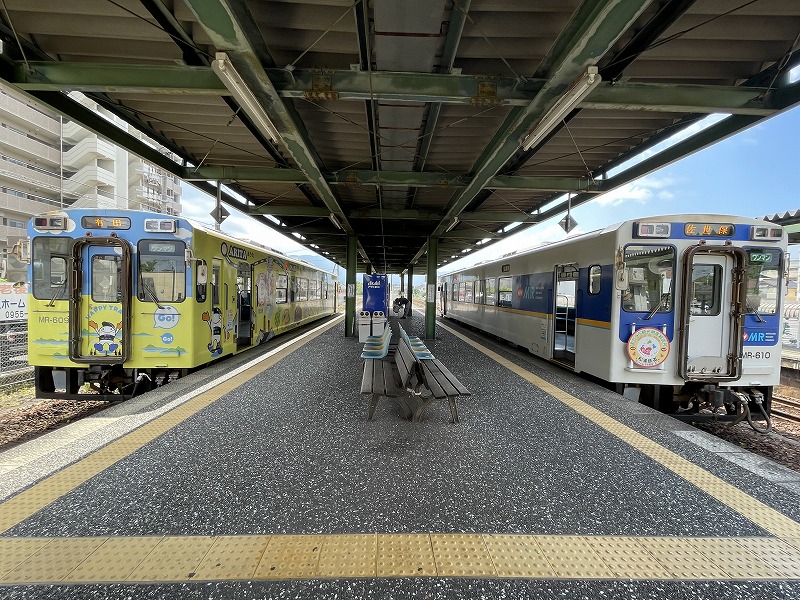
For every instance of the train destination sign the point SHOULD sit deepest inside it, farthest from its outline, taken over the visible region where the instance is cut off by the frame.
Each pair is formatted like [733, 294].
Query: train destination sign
[105, 222]
[709, 229]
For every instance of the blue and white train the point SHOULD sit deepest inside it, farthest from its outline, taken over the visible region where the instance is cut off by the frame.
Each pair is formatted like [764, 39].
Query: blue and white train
[679, 312]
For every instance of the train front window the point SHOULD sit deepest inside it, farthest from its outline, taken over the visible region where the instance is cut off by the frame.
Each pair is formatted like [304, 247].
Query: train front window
[162, 271]
[50, 258]
[650, 281]
[704, 298]
[106, 278]
[763, 280]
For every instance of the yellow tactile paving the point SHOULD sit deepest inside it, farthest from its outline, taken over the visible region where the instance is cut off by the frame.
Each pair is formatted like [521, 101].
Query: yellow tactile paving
[353, 555]
[405, 555]
[291, 557]
[232, 557]
[188, 558]
[462, 555]
[518, 556]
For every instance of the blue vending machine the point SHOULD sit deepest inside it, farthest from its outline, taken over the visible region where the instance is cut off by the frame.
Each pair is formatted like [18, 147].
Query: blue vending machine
[376, 301]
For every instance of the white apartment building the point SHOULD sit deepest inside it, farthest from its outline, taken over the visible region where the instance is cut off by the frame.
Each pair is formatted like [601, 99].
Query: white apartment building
[47, 162]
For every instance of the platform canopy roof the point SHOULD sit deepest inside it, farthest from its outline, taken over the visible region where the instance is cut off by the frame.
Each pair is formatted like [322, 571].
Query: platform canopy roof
[400, 121]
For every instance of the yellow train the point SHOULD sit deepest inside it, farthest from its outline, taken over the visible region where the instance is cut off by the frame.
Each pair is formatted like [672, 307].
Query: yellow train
[127, 300]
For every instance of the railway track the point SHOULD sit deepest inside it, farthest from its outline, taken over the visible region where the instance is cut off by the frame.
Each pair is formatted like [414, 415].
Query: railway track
[786, 408]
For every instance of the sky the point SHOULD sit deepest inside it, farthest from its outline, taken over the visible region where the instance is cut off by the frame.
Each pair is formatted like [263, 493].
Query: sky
[750, 174]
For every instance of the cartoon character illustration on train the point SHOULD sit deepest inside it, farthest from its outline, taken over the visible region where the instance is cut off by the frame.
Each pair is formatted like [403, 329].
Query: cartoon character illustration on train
[679, 312]
[125, 300]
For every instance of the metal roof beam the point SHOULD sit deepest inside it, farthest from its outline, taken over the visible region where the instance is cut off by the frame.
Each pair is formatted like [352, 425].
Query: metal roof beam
[355, 85]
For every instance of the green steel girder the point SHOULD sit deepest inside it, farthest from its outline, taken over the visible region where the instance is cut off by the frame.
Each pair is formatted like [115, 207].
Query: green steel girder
[289, 210]
[407, 87]
[98, 77]
[233, 30]
[397, 179]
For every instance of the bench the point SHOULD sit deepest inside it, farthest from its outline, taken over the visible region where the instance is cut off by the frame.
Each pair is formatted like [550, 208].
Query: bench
[378, 380]
[439, 382]
[417, 345]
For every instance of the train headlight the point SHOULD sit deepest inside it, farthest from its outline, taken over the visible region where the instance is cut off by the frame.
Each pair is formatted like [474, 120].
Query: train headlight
[160, 225]
[50, 223]
[652, 230]
[766, 232]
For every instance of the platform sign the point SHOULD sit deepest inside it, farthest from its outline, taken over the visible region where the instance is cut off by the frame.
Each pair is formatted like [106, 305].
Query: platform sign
[13, 302]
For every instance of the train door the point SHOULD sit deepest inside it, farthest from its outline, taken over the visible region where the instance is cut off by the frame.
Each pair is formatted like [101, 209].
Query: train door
[100, 311]
[564, 311]
[244, 310]
[711, 321]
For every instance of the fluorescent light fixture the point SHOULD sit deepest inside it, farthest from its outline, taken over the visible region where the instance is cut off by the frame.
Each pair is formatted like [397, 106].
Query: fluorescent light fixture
[452, 225]
[244, 97]
[579, 90]
[335, 221]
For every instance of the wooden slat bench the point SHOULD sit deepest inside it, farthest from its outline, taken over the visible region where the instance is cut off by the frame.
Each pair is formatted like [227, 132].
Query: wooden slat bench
[438, 381]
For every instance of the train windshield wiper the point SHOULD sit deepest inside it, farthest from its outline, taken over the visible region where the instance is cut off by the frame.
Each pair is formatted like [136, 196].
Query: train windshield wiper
[754, 312]
[57, 295]
[151, 292]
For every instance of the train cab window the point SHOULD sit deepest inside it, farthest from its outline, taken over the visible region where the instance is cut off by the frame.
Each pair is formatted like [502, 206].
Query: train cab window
[106, 278]
[649, 270]
[469, 290]
[705, 292]
[201, 289]
[504, 291]
[763, 280]
[162, 271]
[50, 260]
[490, 291]
[595, 273]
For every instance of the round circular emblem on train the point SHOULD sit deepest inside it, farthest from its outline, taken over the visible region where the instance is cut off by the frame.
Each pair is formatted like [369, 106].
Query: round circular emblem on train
[648, 347]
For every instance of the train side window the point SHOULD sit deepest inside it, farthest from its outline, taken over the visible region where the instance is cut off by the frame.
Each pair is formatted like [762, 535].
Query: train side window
[281, 285]
[462, 291]
[490, 293]
[468, 291]
[49, 260]
[479, 291]
[595, 273]
[302, 289]
[504, 291]
[201, 289]
[454, 291]
[215, 286]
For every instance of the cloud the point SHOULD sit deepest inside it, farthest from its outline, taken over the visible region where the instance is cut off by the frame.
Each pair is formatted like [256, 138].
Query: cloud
[640, 191]
[197, 205]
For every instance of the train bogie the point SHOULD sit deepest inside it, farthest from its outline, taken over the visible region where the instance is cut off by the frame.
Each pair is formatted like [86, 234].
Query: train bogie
[681, 312]
[125, 300]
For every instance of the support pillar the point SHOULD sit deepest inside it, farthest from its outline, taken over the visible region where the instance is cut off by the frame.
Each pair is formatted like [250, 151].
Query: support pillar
[410, 294]
[430, 289]
[350, 289]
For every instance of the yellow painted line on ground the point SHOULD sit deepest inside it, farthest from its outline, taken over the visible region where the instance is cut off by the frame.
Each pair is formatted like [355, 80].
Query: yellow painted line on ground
[756, 511]
[26, 503]
[226, 558]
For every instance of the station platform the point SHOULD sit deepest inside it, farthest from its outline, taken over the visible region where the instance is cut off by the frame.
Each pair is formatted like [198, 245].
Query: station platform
[260, 477]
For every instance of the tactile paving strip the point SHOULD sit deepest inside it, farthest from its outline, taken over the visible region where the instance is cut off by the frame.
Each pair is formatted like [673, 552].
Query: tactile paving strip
[190, 558]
